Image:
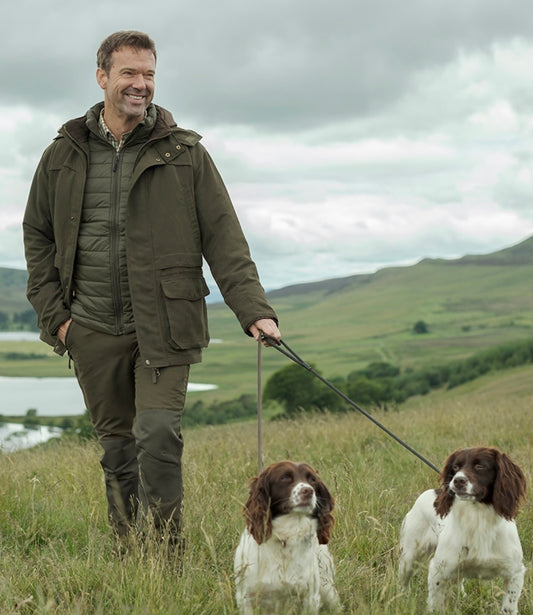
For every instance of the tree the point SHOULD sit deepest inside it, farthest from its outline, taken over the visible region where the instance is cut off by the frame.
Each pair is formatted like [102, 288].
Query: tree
[31, 421]
[377, 369]
[420, 327]
[4, 321]
[26, 320]
[84, 427]
[297, 389]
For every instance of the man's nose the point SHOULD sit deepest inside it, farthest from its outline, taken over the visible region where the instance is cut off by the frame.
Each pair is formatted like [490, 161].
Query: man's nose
[139, 83]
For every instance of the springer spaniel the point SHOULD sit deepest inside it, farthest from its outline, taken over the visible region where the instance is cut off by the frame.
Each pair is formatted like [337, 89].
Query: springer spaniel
[468, 525]
[282, 557]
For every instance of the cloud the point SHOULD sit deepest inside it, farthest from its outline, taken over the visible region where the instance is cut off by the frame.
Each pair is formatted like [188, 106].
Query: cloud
[351, 135]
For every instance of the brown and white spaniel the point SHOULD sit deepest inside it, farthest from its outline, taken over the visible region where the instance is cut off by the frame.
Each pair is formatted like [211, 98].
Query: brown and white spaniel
[283, 558]
[469, 526]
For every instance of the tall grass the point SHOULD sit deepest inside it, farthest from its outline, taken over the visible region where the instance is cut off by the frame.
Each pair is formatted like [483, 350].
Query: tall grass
[57, 555]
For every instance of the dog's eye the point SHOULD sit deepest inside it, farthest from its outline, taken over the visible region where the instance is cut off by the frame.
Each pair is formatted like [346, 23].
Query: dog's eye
[311, 478]
[456, 467]
[287, 476]
[479, 466]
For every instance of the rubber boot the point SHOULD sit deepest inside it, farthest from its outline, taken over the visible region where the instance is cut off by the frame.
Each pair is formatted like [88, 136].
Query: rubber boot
[121, 472]
[159, 451]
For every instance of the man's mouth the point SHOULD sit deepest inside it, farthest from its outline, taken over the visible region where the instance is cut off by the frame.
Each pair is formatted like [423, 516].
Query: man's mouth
[137, 97]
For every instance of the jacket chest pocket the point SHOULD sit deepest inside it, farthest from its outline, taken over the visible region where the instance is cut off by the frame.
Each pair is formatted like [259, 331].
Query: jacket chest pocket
[186, 310]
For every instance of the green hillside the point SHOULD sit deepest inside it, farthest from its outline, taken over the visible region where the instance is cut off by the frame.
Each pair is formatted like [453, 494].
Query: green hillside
[343, 324]
[13, 290]
[340, 325]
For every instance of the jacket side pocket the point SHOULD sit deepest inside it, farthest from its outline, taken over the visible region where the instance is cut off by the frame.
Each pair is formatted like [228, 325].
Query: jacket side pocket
[186, 310]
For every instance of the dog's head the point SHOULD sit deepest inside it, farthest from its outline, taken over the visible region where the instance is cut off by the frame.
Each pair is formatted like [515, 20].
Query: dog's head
[286, 488]
[482, 474]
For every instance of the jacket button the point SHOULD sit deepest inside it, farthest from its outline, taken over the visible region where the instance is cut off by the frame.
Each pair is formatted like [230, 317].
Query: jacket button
[158, 159]
[178, 146]
[167, 154]
[147, 362]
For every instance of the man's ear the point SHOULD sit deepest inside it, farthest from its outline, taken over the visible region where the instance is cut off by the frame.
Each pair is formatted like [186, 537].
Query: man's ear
[101, 78]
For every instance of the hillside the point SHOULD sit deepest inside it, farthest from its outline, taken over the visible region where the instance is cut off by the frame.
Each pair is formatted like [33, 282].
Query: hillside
[342, 324]
[519, 254]
[13, 290]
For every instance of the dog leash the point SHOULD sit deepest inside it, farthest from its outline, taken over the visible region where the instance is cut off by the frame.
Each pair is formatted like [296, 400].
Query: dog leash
[259, 409]
[284, 349]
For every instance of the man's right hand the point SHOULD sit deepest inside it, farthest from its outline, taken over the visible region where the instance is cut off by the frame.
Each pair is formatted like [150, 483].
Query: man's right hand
[62, 331]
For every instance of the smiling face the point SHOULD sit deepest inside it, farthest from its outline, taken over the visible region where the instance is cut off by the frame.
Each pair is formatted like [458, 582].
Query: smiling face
[129, 87]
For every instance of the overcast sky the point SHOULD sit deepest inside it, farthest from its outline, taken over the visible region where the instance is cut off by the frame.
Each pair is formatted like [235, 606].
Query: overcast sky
[351, 135]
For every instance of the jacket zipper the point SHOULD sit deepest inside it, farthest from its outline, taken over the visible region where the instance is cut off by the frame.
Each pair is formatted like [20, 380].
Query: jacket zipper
[114, 243]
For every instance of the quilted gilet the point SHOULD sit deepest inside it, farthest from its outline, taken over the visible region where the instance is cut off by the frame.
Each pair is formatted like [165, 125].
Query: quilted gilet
[101, 297]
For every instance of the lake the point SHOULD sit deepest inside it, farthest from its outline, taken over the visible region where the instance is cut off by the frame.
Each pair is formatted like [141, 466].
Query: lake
[50, 396]
[14, 436]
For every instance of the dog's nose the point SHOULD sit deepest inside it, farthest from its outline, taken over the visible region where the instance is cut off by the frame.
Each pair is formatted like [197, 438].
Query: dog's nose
[459, 482]
[306, 492]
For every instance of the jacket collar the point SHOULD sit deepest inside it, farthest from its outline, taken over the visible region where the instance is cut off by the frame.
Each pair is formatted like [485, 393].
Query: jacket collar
[78, 130]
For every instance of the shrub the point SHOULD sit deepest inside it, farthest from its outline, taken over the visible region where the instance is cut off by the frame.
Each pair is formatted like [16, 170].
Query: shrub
[420, 327]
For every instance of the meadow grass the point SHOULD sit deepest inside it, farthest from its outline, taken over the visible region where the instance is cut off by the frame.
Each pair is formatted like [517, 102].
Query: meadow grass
[58, 556]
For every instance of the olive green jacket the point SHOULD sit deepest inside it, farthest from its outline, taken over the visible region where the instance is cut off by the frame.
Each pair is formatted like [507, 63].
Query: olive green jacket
[178, 212]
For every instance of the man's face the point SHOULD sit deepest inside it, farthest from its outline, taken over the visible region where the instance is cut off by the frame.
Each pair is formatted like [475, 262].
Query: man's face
[129, 85]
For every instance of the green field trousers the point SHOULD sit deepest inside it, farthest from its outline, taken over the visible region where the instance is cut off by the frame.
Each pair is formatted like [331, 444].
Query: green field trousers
[136, 413]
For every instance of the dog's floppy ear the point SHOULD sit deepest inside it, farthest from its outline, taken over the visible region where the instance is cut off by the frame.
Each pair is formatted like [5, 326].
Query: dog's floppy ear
[509, 487]
[444, 499]
[257, 508]
[325, 504]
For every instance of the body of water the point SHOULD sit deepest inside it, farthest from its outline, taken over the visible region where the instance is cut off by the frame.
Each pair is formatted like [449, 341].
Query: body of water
[14, 436]
[50, 396]
[19, 336]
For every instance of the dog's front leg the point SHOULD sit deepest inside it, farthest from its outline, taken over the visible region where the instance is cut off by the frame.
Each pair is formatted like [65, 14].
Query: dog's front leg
[438, 584]
[311, 603]
[512, 588]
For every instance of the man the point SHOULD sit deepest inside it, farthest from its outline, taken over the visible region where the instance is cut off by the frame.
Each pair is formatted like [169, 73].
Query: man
[123, 207]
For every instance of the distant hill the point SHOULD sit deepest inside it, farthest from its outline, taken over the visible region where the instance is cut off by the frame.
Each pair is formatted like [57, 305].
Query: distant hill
[13, 281]
[519, 254]
[13, 290]
[343, 324]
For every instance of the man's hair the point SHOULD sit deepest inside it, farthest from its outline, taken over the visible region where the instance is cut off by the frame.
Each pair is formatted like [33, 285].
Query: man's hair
[117, 40]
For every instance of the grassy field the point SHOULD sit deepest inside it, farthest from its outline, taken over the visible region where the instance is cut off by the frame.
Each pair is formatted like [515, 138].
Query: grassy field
[57, 555]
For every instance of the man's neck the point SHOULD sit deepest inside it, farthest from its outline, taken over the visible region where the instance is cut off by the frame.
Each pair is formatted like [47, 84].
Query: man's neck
[120, 126]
